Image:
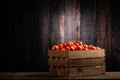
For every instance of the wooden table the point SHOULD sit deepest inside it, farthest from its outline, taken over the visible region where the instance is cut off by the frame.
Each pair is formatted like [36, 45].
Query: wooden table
[45, 76]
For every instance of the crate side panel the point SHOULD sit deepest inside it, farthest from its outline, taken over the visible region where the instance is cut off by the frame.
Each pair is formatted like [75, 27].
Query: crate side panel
[52, 53]
[54, 62]
[86, 54]
[86, 62]
[85, 71]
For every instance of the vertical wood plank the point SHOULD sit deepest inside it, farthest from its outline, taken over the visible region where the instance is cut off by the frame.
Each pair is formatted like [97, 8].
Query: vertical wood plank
[76, 15]
[109, 35]
[61, 24]
[54, 23]
[68, 20]
[115, 37]
[64, 21]
[43, 36]
[104, 28]
[87, 29]
[102, 23]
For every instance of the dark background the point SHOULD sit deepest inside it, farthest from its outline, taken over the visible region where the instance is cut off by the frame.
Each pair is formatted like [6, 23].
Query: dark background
[30, 28]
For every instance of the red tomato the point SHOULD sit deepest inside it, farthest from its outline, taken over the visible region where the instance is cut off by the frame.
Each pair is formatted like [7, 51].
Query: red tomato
[72, 48]
[63, 49]
[55, 47]
[98, 48]
[70, 43]
[79, 42]
[75, 47]
[85, 49]
[91, 47]
[64, 45]
[79, 47]
[60, 46]
[67, 48]
[76, 44]
[94, 48]
[85, 46]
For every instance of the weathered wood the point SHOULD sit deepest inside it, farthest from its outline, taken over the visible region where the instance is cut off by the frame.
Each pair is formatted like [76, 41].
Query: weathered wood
[87, 25]
[87, 62]
[78, 54]
[31, 28]
[64, 21]
[52, 53]
[104, 24]
[57, 62]
[46, 76]
[85, 71]
[86, 54]
[71, 61]
[59, 72]
[77, 62]
[115, 36]
[25, 35]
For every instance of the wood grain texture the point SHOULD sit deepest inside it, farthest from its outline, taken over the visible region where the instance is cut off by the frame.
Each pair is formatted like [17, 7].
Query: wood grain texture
[46, 76]
[30, 28]
[24, 25]
[52, 53]
[88, 21]
[115, 49]
[88, 28]
[86, 54]
[64, 21]
[85, 71]
[87, 62]
[104, 28]
[54, 62]
[59, 72]
[76, 58]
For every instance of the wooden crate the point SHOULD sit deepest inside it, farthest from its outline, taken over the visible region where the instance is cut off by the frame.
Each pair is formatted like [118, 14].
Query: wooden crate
[76, 63]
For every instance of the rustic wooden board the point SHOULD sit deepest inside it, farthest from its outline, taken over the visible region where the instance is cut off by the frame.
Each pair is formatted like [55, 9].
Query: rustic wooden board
[53, 62]
[86, 54]
[87, 62]
[58, 72]
[77, 62]
[84, 71]
[78, 54]
[88, 26]
[46, 76]
[57, 53]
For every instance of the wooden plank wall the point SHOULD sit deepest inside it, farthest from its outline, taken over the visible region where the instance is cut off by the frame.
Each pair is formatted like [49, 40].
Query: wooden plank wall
[85, 20]
[30, 28]
[115, 48]
[25, 40]
[64, 21]
[103, 24]
[79, 20]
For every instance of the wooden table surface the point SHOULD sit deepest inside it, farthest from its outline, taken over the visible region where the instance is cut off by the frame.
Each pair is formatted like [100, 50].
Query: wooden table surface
[45, 76]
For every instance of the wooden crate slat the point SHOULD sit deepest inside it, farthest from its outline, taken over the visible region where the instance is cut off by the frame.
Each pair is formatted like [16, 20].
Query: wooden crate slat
[58, 72]
[86, 54]
[86, 62]
[52, 53]
[84, 71]
[54, 62]
[76, 63]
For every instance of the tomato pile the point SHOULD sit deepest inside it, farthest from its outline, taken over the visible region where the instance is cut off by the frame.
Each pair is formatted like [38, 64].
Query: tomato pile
[71, 46]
